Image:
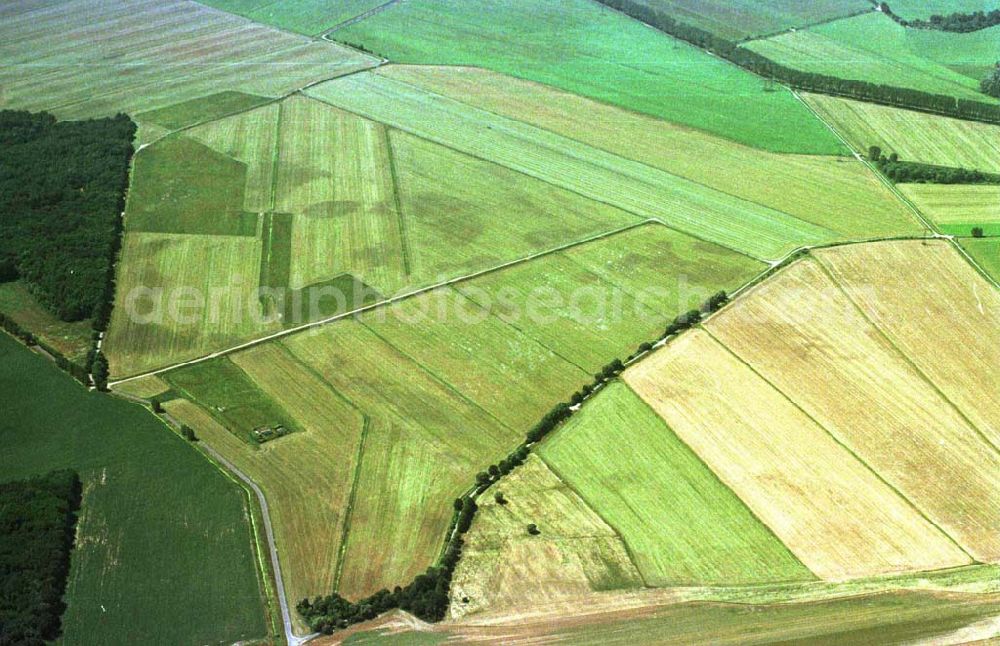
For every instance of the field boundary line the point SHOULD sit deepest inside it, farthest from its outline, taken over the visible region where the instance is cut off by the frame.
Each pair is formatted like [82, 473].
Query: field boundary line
[839, 442]
[389, 301]
[903, 355]
[434, 376]
[592, 508]
[878, 174]
[673, 124]
[374, 11]
[404, 238]
[806, 26]
[975, 264]
[345, 527]
[596, 200]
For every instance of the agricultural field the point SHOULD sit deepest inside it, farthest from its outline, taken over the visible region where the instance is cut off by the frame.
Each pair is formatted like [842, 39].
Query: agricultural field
[802, 335]
[681, 524]
[745, 19]
[680, 203]
[575, 553]
[871, 47]
[972, 54]
[914, 136]
[146, 55]
[834, 514]
[829, 191]
[164, 550]
[590, 50]
[924, 9]
[72, 340]
[955, 208]
[444, 383]
[893, 617]
[309, 17]
[953, 302]
[986, 252]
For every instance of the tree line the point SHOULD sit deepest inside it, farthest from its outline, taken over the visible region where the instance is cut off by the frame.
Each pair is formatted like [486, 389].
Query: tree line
[62, 190]
[991, 84]
[808, 81]
[37, 524]
[957, 22]
[907, 172]
[426, 596]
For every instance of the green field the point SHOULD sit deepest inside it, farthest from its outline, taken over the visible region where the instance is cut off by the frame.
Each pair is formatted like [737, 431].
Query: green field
[681, 524]
[916, 9]
[163, 550]
[955, 208]
[873, 48]
[72, 340]
[182, 186]
[224, 390]
[308, 17]
[640, 189]
[914, 136]
[987, 253]
[588, 49]
[599, 300]
[739, 19]
[973, 54]
[200, 110]
[150, 54]
[833, 192]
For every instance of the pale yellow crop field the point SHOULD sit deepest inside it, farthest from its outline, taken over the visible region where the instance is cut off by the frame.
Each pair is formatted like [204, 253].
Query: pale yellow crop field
[503, 566]
[914, 136]
[144, 388]
[941, 313]
[835, 192]
[827, 507]
[252, 138]
[975, 204]
[157, 318]
[802, 334]
[334, 175]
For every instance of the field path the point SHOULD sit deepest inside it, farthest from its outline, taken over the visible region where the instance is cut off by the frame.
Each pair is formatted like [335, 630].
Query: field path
[286, 618]
[350, 21]
[389, 301]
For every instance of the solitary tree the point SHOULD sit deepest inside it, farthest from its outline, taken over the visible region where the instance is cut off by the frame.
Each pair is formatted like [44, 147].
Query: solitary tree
[874, 153]
[533, 529]
[498, 496]
[977, 232]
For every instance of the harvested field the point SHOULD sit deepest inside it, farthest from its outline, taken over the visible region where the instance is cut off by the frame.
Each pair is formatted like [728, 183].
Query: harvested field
[800, 333]
[591, 50]
[871, 47]
[637, 188]
[503, 566]
[334, 175]
[837, 193]
[825, 505]
[158, 318]
[478, 355]
[462, 214]
[955, 208]
[598, 301]
[308, 17]
[938, 311]
[681, 525]
[914, 136]
[423, 441]
[145, 388]
[80, 59]
[251, 138]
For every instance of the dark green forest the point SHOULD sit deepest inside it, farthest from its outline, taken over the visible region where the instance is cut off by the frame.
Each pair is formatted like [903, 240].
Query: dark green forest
[62, 188]
[37, 521]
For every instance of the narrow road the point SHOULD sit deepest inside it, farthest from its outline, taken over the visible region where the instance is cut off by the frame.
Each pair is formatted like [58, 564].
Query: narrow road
[286, 616]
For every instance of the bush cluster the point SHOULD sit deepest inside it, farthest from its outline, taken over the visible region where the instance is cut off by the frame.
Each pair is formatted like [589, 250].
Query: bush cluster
[907, 172]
